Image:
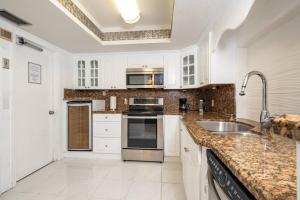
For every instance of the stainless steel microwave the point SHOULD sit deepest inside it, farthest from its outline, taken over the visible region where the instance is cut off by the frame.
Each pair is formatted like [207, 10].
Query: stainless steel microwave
[145, 78]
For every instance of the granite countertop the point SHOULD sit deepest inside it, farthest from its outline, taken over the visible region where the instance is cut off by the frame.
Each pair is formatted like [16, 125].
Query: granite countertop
[266, 166]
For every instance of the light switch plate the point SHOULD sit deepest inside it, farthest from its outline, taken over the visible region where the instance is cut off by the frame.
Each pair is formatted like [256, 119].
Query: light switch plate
[5, 62]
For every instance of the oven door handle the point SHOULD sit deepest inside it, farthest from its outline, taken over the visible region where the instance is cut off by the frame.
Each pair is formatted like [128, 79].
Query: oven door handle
[142, 117]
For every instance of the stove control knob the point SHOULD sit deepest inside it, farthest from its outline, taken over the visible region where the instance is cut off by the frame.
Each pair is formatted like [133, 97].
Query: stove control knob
[222, 179]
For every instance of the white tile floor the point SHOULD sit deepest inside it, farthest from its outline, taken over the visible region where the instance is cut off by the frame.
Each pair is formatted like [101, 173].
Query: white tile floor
[86, 179]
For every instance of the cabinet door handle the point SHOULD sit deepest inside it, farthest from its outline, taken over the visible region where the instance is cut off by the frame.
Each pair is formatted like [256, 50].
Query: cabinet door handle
[186, 149]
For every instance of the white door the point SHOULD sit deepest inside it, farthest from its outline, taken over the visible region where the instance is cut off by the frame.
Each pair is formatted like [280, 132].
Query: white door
[5, 134]
[31, 119]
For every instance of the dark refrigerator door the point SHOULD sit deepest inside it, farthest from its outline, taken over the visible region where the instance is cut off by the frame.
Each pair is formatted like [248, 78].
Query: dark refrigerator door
[79, 127]
[142, 133]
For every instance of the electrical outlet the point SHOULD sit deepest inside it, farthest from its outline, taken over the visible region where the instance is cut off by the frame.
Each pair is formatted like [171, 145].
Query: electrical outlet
[5, 63]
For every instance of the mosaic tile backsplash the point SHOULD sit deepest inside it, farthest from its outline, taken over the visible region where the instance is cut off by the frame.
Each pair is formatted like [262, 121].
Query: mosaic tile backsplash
[223, 97]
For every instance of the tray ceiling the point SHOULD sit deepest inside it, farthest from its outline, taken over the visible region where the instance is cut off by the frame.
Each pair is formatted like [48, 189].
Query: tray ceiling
[189, 19]
[155, 14]
[83, 16]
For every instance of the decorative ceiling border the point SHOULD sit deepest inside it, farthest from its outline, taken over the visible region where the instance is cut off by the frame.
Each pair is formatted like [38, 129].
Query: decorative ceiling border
[76, 12]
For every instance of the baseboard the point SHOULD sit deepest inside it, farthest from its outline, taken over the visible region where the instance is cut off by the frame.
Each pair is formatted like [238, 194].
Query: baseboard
[91, 155]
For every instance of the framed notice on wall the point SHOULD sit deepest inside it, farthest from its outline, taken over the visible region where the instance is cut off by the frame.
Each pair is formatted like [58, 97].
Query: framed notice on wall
[34, 73]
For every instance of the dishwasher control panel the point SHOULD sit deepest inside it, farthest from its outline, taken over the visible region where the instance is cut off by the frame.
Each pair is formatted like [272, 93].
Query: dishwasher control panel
[231, 186]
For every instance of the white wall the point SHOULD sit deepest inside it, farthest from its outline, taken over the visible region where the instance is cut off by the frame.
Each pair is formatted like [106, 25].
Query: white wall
[226, 60]
[63, 79]
[277, 55]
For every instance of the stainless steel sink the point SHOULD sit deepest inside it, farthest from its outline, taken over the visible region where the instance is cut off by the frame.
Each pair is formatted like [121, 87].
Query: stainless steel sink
[225, 127]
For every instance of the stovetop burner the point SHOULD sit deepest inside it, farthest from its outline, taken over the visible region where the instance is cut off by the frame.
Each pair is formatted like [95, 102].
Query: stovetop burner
[142, 113]
[145, 107]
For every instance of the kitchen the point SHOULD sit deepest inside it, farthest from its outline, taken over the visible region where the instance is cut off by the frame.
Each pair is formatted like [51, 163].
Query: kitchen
[104, 105]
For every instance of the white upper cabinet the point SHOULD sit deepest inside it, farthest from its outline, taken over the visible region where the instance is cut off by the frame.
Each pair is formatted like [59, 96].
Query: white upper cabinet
[205, 60]
[114, 76]
[145, 60]
[189, 68]
[110, 73]
[87, 72]
[172, 71]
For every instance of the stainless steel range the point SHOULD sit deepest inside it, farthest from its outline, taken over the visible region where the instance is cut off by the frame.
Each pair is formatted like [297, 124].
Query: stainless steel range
[142, 130]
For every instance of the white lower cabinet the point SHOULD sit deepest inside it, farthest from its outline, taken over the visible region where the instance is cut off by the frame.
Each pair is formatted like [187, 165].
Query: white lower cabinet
[107, 133]
[107, 145]
[171, 131]
[191, 165]
[107, 129]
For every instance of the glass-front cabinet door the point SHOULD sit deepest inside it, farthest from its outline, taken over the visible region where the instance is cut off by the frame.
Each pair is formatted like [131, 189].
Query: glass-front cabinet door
[189, 70]
[81, 74]
[94, 71]
[87, 74]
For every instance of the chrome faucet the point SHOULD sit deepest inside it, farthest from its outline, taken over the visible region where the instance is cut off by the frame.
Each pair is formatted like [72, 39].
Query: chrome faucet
[265, 118]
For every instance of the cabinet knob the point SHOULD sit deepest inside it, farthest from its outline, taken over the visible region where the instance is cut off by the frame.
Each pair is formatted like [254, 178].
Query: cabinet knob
[106, 145]
[106, 129]
[105, 117]
[186, 149]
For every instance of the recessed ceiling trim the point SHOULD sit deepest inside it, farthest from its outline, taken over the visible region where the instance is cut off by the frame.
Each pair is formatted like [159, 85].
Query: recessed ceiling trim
[124, 42]
[79, 17]
[13, 18]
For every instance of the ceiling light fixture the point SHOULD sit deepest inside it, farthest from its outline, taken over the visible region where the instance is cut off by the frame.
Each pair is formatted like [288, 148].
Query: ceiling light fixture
[128, 10]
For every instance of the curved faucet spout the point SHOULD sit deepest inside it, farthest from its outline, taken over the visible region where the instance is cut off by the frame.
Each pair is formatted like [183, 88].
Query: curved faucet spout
[264, 116]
